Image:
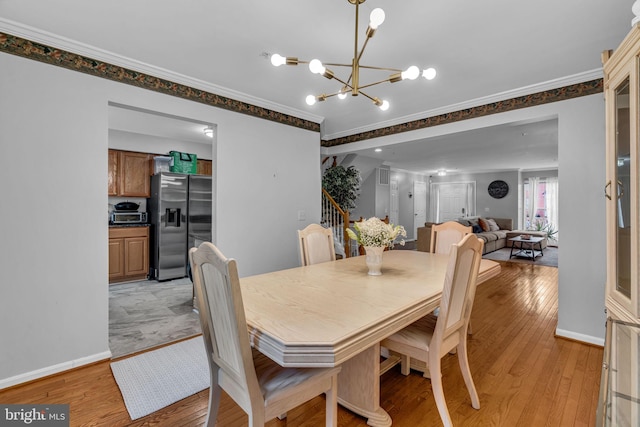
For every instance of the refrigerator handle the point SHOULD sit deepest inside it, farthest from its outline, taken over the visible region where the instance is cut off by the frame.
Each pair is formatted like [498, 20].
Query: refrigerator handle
[172, 217]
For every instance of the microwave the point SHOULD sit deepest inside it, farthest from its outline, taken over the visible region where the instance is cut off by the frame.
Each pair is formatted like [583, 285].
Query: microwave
[119, 217]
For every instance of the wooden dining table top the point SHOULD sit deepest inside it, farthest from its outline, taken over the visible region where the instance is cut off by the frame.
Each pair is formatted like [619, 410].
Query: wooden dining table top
[324, 314]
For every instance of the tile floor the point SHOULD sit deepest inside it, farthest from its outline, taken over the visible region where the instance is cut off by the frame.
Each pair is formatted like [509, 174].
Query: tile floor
[148, 313]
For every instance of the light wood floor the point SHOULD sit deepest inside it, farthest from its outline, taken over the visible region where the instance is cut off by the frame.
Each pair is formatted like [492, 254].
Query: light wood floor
[524, 375]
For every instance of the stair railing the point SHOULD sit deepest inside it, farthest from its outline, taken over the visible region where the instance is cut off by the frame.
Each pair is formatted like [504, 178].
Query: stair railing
[338, 220]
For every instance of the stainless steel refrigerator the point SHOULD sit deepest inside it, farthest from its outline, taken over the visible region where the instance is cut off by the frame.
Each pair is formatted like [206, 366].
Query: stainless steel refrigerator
[180, 216]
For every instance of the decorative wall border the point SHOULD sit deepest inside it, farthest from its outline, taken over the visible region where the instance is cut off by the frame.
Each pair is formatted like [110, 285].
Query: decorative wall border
[71, 61]
[40, 52]
[553, 95]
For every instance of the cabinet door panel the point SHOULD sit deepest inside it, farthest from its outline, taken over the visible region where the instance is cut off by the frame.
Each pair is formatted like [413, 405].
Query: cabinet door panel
[113, 173]
[116, 259]
[136, 256]
[134, 174]
[623, 189]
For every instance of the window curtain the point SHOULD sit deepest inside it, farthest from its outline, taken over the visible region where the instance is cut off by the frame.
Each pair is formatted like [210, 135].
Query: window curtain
[531, 202]
[551, 202]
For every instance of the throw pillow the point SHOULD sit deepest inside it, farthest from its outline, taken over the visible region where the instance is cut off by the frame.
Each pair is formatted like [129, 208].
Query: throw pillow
[483, 224]
[493, 226]
[476, 228]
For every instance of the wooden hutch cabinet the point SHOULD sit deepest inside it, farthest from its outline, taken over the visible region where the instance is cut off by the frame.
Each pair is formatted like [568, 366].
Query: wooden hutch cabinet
[619, 403]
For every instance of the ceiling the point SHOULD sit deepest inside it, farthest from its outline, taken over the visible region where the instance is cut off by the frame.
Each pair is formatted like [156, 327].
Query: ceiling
[482, 49]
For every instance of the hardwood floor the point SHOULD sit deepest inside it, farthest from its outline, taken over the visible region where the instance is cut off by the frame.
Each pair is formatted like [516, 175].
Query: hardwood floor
[524, 375]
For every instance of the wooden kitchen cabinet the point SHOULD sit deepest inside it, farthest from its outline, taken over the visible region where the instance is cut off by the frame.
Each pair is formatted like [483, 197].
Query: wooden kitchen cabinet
[113, 173]
[128, 253]
[129, 174]
[204, 167]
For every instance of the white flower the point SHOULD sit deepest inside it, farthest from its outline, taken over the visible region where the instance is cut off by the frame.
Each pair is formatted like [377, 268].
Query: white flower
[374, 232]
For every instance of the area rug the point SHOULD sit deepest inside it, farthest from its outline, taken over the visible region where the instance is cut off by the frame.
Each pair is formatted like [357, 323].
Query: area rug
[549, 257]
[158, 378]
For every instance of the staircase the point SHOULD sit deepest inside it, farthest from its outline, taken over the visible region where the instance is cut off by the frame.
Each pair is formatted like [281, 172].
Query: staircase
[338, 221]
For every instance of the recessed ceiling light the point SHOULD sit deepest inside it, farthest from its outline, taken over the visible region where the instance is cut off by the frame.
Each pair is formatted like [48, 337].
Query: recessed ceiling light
[377, 150]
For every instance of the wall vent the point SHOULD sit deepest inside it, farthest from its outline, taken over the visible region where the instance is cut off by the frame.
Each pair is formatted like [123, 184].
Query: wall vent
[384, 176]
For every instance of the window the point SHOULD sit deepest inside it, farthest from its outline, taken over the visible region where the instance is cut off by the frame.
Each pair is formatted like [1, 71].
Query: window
[540, 207]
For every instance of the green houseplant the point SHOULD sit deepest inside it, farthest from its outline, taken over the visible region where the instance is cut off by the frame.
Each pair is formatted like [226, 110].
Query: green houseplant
[343, 184]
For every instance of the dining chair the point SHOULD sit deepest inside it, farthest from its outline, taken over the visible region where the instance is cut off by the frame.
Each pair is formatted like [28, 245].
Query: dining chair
[431, 338]
[261, 387]
[316, 245]
[445, 234]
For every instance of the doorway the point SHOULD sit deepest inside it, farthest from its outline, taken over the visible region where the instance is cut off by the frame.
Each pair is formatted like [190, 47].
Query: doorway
[149, 313]
[452, 200]
[419, 206]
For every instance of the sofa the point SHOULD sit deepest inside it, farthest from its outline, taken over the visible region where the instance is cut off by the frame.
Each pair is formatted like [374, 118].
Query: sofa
[493, 239]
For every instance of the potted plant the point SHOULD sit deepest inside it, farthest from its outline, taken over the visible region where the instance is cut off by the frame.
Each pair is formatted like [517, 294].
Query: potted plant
[343, 185]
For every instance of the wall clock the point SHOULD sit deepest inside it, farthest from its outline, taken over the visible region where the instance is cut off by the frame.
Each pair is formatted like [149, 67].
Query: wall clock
[498, 189]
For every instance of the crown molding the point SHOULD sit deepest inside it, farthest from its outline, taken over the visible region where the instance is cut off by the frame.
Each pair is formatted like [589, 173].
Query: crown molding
[79, 48]
[486, 100]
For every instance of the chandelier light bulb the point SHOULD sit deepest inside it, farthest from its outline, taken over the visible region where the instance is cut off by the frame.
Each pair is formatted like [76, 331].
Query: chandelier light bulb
[411, 73]
[310, 100]
[278, 60]
[384, 106]
[343, 93]
[316, 67]
[376, 18]
[429, 73]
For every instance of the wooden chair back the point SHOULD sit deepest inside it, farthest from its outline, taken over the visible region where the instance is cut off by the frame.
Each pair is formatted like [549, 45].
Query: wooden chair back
[446, 234]
[316, 245]
[457, 295]
[224, 327]
[261, 387]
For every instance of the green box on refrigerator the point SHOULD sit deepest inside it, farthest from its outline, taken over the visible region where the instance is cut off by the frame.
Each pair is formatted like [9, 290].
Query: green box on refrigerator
[183, 162]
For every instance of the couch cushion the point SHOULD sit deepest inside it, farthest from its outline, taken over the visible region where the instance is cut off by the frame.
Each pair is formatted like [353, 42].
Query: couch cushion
[493, 226]
[488, 236]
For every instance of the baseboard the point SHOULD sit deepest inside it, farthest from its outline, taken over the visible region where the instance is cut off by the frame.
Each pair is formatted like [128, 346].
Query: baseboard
[54, 369]
[574, 336]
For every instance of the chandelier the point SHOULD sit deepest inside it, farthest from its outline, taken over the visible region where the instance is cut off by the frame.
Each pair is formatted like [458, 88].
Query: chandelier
[352, 83]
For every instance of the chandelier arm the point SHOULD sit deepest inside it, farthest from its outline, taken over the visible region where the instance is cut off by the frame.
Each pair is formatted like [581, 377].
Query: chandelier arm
[367, 96]
[373, 84]
[343, 82]
[337, 65]
[369, 67]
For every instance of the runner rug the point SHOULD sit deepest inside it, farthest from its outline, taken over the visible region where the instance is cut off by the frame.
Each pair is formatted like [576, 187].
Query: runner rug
[158, 378]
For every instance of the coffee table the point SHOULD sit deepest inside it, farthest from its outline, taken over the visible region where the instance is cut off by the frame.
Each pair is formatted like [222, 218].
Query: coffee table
[526, 247]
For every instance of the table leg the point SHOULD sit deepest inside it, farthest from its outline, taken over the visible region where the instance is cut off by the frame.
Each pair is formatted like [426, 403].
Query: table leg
[359, 387]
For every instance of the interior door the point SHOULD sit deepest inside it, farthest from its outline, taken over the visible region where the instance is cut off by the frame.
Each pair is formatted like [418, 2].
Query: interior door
[419, 206]
[394, 213]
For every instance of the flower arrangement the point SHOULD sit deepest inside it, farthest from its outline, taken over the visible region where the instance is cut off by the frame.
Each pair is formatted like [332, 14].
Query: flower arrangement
[375, 232]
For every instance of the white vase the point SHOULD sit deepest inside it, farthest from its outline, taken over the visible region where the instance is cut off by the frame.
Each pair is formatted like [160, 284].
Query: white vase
[373, 258]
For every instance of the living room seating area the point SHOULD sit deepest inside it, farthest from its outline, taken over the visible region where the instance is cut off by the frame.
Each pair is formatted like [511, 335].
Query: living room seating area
[495, 232]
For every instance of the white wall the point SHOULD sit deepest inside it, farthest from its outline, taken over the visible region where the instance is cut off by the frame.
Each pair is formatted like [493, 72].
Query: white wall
[582, 256]
[53, 249]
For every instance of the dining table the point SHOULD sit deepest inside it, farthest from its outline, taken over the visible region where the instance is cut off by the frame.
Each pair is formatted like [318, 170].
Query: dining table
[335, 314]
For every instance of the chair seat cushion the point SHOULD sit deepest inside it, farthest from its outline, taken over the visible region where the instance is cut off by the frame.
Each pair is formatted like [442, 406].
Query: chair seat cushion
[273, 378]
[418, 334]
